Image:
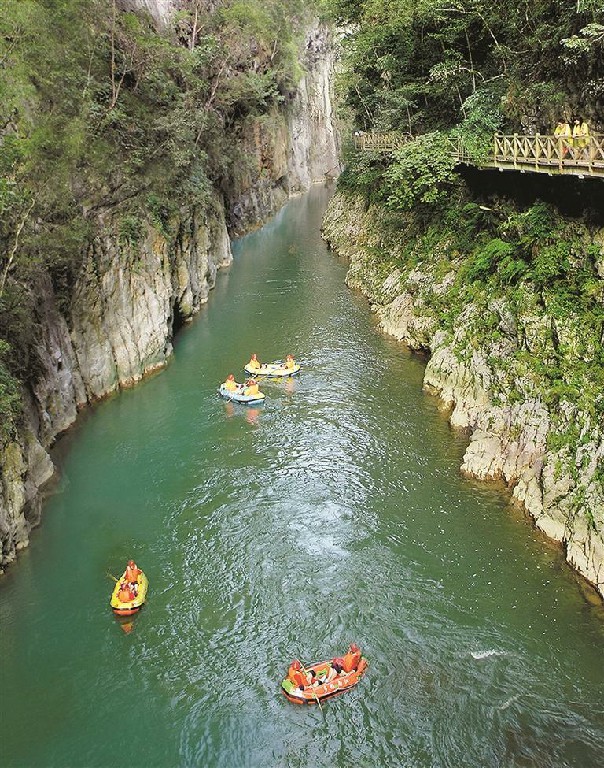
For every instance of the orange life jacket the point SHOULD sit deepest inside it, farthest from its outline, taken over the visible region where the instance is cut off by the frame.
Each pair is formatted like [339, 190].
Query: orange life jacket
[125, 595]
[132, 574]
[297, 677]
[351, 661]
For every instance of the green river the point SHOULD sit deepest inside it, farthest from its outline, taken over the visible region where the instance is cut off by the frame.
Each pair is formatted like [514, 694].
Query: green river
[334, 512]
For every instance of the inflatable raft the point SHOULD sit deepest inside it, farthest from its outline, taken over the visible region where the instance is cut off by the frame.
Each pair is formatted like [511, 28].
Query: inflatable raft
[273, 370]
[237, 396]
[320, 691]
[127, 609]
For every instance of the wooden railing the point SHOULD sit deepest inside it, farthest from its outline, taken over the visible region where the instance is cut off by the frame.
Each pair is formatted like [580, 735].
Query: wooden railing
[381, 142]
[536, 154]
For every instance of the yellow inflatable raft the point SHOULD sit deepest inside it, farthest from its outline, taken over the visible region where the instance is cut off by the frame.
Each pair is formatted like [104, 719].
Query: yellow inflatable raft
[127, 609]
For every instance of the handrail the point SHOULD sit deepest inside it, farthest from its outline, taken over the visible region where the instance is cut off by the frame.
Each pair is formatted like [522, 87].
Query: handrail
[538, 153]
[381, 142]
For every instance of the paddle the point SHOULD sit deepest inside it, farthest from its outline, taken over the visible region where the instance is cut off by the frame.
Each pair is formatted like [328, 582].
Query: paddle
[111, 576]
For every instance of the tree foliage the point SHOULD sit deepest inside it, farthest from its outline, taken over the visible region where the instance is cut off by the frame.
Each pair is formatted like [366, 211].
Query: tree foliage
[415, 64]
[421, 174]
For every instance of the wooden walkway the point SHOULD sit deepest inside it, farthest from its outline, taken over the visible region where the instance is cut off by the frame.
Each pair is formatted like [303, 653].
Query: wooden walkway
[533, 154]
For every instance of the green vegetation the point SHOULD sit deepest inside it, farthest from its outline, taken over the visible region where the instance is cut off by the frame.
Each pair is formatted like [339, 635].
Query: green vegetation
[457, 72]
[426, 65]
[100, 113]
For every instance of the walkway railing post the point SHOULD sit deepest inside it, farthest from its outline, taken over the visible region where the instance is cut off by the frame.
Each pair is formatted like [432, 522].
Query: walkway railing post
[590, 152]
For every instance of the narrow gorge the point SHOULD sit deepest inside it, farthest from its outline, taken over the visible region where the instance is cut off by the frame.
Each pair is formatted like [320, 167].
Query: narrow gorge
[511, 362]
[135, 287]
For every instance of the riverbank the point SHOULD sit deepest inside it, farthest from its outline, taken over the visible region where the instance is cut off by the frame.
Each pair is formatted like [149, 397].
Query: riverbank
[493, 352]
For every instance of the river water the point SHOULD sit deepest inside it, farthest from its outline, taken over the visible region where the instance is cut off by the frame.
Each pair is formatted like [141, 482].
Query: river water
[334, 512]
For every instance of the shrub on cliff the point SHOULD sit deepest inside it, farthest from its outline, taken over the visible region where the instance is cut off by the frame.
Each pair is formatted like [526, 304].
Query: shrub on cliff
[421, 173]
[10, 399]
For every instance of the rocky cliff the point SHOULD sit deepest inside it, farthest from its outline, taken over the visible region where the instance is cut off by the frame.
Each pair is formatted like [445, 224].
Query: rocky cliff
[483, 364]
[289, 150]
[133, 293]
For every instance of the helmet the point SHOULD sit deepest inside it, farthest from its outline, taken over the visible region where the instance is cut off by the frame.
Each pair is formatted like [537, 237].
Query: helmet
[230, 377]
[354, 648]
[295, 664]
[131, 563]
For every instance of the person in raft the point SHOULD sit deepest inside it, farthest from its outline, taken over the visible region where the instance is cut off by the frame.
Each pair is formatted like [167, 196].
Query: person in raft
[131, 575]
[126, 593]
[230, 384]
[289, 362]
[296, 675]
[254, 363]
[351, 658]
[251, 387]
[337, 666]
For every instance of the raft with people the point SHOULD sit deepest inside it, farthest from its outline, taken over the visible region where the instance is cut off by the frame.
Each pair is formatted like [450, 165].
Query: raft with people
[130, 591]
[248, 393]
[314, 683]
[276, 369]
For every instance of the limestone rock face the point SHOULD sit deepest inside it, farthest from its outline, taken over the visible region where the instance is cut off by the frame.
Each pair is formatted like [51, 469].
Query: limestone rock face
[26, 466]
[160, 10]
[508, 423]
[128, 297]
[313, 137]
[289, 150]
[59, 392]
[127, 301]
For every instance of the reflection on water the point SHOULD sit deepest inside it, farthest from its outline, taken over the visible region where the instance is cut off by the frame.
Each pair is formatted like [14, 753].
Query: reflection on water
[252, 415]
[334, 512]
[127, 625]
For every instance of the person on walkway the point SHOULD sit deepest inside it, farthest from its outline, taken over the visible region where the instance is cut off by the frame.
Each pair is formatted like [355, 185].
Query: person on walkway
[296, 675]
[563, 133]
[352, 658]
[230, 384]
[580, 138]
[254, 363]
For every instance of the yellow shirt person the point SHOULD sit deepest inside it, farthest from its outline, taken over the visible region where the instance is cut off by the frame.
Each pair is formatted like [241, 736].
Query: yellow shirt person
[580, 134]
[254, 363]
[563, 133]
